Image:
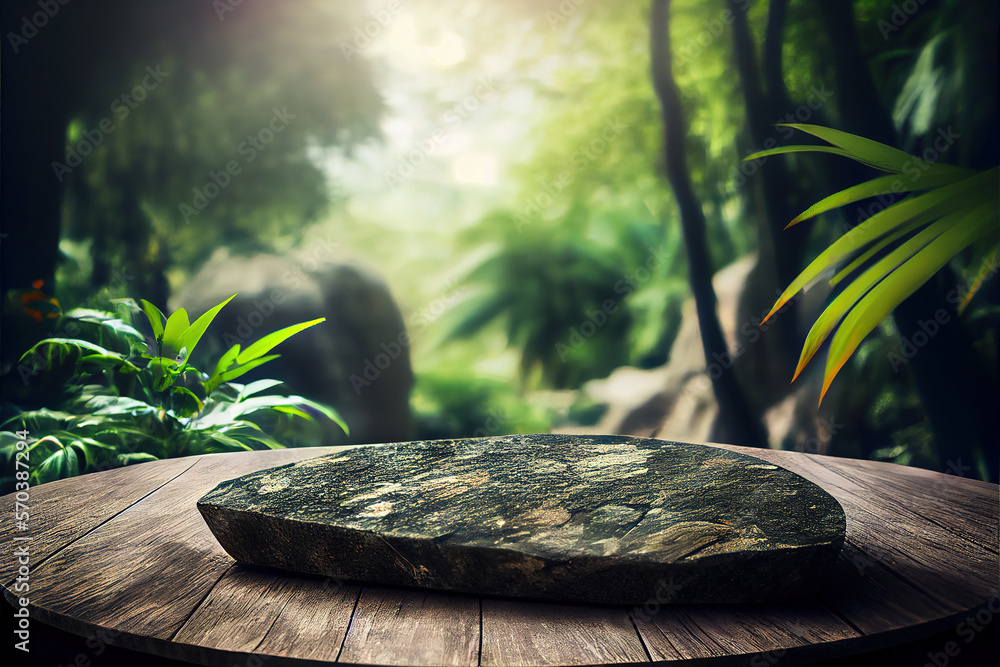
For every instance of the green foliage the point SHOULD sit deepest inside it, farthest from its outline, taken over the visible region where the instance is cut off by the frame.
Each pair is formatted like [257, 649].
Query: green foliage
[890, 255]
[451, 403]
[559, 297]
[125, 396]
[223, 150]
[589, 210]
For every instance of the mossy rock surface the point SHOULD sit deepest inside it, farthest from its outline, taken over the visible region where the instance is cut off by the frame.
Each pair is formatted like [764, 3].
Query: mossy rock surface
[606, 519]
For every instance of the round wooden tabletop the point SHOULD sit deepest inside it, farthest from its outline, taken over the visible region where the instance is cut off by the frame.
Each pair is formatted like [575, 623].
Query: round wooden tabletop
[125, 558]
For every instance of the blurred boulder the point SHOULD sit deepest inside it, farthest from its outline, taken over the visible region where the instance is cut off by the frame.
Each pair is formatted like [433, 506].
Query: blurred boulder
[676, 401]
[357, 361]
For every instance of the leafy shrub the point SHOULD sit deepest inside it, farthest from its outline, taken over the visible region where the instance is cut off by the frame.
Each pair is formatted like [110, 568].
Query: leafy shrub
[451, 403]
[125, 393]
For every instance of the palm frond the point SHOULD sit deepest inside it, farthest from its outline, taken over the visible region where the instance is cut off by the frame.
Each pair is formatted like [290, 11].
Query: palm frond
[892, 253]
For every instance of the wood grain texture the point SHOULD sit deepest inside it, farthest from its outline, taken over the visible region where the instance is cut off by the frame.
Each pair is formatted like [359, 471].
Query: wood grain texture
[948, 563]
[125, 556]
[413, 627]
[145, 570]
[909, 566]
[534, 633]
[723, 630]
[968, 508]
[108, 493]
[252, 609]
[314, 621]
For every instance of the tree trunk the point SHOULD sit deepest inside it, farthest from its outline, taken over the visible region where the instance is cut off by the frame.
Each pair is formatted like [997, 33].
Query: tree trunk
[771, 202]
[744, 427]
[33, 126]
[778, 247]
[774, 36]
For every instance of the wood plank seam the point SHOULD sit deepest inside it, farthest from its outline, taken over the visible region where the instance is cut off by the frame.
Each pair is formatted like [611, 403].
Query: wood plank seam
[836, 614]
[642, 642]
[479, 657]
[274, 620]
[196, 607]
[347, 630]
[34, 566]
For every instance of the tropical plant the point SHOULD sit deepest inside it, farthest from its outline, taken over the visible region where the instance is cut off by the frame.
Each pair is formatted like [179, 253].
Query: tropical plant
[890, 255]
[125, 393]
[554, 294]
[450, 403]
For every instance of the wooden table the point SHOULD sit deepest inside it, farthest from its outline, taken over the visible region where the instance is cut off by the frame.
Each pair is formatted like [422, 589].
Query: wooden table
[124, 556]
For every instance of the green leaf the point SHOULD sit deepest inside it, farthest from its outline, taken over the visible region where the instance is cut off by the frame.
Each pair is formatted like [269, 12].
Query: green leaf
[258, 386]
[781, 150]
[131, 458]
[883, 185]
[227, 391]
[230, 442]
[54, 465]
[326, 411]
[265, 440]
[155, 317]
[227, 360]
[241, 427]
[221, 415]
[847, 299]
[248, 432]
[293, 410]
[916, 210]
[113, 361]
[177, 324]
[71, 463]
[120, 329]
[874, 249]
[874, 153]
[268, 342]
[189, 339]
[237, 371]
[67, 344]
[187, 402]
[900, 284]
[257, 403]
[164, 370]
[118, 405]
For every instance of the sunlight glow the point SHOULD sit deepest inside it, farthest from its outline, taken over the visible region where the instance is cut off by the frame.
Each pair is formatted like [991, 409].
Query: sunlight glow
[448, 52]
[478, 169]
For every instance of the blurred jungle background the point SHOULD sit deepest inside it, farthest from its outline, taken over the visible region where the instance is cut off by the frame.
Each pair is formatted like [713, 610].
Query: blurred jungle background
[478, 198]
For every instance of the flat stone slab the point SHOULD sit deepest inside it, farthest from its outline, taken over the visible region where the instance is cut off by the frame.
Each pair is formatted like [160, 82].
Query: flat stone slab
[607, 519]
